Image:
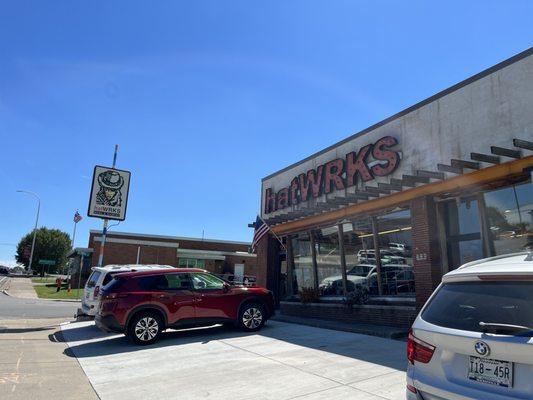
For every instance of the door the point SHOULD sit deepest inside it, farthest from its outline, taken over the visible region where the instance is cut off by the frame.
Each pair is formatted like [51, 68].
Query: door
[239, 273]
[173, 293]
[463, 231]
[214, 300]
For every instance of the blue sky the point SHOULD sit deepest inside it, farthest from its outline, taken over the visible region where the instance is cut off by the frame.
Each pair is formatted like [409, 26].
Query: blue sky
[207, 97]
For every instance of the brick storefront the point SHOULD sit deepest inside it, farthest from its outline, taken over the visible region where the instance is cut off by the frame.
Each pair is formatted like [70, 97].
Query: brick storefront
[217, 256]
[392, 208]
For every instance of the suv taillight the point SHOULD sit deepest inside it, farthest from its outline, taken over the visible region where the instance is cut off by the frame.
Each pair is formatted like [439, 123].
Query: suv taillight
[96, 291]
[418, 350]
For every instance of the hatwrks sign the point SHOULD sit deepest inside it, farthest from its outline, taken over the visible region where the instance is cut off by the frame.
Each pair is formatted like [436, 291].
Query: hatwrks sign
[109, 193]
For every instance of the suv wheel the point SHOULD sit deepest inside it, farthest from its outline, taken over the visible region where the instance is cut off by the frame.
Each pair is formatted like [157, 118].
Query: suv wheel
[252, 317]
[145, 328]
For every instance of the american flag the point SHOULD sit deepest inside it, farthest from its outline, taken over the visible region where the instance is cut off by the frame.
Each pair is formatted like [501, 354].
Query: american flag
[261, 229]
[77, 217]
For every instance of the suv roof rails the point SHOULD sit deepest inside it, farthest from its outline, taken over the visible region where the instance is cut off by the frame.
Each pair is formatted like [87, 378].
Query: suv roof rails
[501, 256]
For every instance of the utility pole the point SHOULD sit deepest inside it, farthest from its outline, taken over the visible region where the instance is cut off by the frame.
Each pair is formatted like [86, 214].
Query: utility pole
[36, 223]
[106, 221]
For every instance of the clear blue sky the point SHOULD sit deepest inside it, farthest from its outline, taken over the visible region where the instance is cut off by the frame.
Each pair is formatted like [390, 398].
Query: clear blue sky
[207, 97]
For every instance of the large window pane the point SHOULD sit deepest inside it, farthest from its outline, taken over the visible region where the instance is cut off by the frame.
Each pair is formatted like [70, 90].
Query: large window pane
[395, 246]
[328, 261]
[302, 262]
[510, 217]
[360, 255]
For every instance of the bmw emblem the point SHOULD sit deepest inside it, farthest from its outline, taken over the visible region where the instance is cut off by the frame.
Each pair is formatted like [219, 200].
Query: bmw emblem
[482, 348]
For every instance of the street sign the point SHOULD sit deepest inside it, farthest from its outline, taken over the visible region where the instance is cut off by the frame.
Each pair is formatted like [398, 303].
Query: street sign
[109, 193]
[47, 262]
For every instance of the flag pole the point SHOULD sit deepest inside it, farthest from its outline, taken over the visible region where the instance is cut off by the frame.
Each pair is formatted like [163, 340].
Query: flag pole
[274, 233]
[74, 232]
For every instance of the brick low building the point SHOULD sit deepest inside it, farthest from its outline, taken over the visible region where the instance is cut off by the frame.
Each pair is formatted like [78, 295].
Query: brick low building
[218, 256]
[386, 212]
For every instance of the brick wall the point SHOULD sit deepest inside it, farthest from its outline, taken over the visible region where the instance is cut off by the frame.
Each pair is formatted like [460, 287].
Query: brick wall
[426, 250]
[398, 316]
[268, 263]
[126, 253]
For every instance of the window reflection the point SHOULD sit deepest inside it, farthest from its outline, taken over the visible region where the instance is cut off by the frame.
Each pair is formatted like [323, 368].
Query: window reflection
[510, 218]
[328, 260]
[396, 255]
[302, 262]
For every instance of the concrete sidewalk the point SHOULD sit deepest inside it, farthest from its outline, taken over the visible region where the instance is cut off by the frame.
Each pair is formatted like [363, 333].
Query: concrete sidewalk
[280, 362]
[21, 288]
[33, 364]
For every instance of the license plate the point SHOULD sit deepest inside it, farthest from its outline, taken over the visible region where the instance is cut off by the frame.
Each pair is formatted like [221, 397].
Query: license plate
[493, 372]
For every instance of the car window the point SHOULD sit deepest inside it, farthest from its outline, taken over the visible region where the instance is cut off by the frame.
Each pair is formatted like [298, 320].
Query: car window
[113, 284]
[178, 281]
[91, 282]
[165, 282]
[360, 270]
[463, 305]
[206, 281]
[108, 278]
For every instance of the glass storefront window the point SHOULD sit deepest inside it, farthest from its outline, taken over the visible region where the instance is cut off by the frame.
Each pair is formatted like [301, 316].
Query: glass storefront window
[360, 255]
[302, 262]
[463, 231]
[396, 254]
[191, 263]
[509, 213]
[328, 260]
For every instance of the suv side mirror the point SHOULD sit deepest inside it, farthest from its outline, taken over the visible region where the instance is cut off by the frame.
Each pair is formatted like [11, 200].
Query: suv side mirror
[226, 287]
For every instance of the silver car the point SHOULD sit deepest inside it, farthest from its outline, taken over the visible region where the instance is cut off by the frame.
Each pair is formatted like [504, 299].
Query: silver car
[474, 337]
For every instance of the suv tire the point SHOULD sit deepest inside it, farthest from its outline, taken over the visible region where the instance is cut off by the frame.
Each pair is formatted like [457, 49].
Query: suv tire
[145, 327]
[251, 317]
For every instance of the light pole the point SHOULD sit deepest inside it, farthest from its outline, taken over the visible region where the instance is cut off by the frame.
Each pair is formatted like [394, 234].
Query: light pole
[36, 223]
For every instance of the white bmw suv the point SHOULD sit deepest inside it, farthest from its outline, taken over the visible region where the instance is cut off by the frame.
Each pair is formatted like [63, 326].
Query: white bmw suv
[474, 337]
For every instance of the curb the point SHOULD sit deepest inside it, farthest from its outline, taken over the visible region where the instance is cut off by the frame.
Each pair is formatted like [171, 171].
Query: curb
[40, 298]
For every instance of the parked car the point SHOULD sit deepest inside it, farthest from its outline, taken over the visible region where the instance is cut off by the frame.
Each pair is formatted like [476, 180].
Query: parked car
[101, 276]
[356, 275]
[387, 257]
[474, 337]
[143, 304]
[402, 248]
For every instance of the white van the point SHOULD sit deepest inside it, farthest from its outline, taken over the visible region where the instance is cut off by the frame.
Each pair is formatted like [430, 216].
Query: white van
[101, 276]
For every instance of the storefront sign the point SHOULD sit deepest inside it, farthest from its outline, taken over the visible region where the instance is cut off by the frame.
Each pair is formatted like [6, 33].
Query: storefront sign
[109, 193]
[337, 174]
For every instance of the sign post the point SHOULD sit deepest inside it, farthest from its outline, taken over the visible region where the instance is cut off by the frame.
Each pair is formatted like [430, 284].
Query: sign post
[109, 197]
[47, 263]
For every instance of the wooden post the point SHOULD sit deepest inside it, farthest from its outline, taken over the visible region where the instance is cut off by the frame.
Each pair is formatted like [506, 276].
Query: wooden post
[376, 252]
[313, 257]
[343, 260]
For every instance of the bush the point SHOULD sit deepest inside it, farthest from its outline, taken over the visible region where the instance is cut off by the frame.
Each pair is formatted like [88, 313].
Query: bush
[358, 296]
[309, 295]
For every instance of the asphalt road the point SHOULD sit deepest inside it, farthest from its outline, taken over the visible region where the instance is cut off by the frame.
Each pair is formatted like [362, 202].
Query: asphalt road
[13, 308]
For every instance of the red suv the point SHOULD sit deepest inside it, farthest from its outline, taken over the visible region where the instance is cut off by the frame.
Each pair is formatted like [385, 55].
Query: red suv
[143, 304]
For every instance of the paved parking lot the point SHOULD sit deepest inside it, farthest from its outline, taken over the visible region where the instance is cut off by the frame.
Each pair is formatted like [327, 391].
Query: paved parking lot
[282, 361]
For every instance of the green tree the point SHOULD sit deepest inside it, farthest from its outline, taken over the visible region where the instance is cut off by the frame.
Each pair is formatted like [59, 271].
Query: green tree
[50, 244]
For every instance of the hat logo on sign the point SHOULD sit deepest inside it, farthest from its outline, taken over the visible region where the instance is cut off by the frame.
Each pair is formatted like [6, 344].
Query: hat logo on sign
[482, 348]
[109, 194]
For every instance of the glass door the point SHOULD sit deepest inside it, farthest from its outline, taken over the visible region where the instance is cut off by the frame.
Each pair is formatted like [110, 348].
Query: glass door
[463, 231]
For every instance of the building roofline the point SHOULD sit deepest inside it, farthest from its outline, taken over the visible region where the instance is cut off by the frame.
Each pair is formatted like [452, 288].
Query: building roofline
[190, 239]
[451, 89]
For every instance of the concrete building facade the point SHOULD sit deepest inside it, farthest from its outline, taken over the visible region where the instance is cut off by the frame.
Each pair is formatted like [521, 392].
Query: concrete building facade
[379, 217]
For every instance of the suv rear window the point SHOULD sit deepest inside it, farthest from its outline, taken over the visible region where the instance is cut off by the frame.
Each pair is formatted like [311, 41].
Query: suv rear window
[91, 282]
[463, 305]
[114, 284]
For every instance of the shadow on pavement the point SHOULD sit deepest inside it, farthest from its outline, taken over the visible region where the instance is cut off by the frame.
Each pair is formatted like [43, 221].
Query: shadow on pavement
[366, 348]
[25, 330]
